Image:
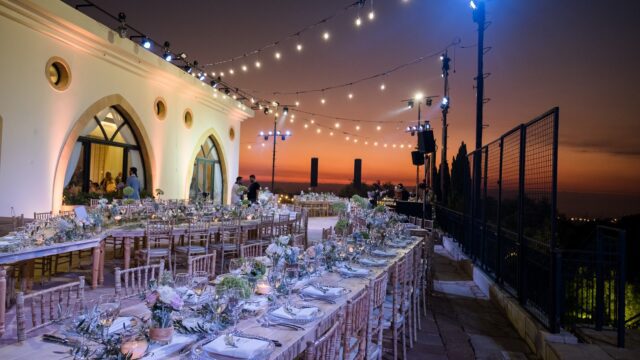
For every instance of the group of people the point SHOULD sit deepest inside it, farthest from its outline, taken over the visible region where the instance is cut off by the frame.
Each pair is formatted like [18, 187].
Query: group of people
[251, 190]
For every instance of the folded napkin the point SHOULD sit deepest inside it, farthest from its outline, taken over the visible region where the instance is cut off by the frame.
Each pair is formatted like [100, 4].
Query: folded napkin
[299, 314]
[256, 303]
[372, 262]
[353, 271]
[245, 348]
[387, 253]
[118, 323]
[331, 292]
[398, 244]
[178, 342]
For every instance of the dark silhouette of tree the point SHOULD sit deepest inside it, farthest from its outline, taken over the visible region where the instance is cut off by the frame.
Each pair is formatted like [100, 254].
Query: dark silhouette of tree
[445, 182]
[460, 179]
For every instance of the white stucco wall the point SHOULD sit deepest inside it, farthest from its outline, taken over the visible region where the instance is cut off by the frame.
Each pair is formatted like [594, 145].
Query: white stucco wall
[37, 119]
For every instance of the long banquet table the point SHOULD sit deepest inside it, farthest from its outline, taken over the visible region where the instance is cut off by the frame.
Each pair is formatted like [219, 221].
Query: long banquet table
[293, 342]
[127, 232]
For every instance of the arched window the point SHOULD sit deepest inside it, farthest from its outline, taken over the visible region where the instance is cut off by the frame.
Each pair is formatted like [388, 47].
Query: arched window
[106, 148]
[207, 181]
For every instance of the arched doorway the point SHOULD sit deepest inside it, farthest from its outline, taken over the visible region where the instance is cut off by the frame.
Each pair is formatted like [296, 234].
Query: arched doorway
[207, 180]
[108, 137]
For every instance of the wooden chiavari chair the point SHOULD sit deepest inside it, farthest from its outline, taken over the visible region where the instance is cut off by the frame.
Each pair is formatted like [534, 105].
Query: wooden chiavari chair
[205, 262]
[251, 250]
[326, 233]
[394, 314]
[44, 264]
[282, 226]
[354, 340]
[378, 291]
[228, 244]
[327, 346]
[197, 240]
[135, 281]
[47, 306]
[159, 240]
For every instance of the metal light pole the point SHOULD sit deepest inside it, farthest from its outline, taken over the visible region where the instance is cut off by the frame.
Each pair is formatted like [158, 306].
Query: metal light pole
[445, 110]
[275, 134]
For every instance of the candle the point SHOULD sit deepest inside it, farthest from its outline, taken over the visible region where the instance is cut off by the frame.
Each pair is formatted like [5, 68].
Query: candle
[136, 348]
[263, 287]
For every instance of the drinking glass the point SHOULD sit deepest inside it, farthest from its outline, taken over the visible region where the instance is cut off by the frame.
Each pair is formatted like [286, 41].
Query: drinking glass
[290, 278]
[182, 281]
[235, 266]
[234, 303]
[108, 310]
[199, 282]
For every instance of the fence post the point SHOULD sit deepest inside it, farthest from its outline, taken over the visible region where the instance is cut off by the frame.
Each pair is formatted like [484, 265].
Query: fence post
[522, 253]
[622, 282]
[599, 311]
[483, 252]
[498, 222]
[558, 294]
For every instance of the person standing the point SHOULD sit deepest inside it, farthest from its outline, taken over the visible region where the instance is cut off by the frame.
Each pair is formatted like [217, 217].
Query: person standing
[254, 187]
[134, 183]
[236, 191]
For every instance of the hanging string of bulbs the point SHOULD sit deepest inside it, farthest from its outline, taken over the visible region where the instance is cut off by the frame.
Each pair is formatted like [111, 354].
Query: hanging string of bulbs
[298, 34]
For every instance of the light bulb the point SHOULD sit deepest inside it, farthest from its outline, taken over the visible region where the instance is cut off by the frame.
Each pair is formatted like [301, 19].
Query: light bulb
[372, 15]
[350, 95]
[299, 47]
[231, 71]
[375, 143]
[262, 144]
[385, 145]
[221, 73]
[244, 68]
[323, 100]
[383, 86]
[378, 127]
[318, 131]
[291, 120]
[357, 127]
[258, 64]
[313, 121]
[277, 55]
[331, 133]
[325, 35]
[297, 103]
[394, 146]
[347, 138]
[337, 125]
[306, 126]
[355, 141]
[366, 143]
[249, 147]
[358, 21]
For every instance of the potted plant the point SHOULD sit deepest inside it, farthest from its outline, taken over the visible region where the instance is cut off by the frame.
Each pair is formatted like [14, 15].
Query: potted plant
[163, 302]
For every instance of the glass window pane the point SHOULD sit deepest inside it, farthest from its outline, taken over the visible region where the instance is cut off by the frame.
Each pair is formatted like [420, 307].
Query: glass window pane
[106, 162]
[125, 136]
[217, 184]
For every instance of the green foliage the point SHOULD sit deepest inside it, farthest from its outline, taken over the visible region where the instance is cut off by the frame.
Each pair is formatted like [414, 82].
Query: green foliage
[234, 282]
[350, 190]
[258, 270]
[128, 191]
[341, 225]
[360, 201]
[338, 207]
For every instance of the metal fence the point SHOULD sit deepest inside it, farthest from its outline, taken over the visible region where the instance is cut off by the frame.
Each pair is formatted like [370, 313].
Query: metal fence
[594, 283]
[508, 225]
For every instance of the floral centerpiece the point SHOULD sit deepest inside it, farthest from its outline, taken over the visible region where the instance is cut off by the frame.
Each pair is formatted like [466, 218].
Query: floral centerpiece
[341, 226]
[360, 201]
[162, 302]
[276, 250]
[234, 282]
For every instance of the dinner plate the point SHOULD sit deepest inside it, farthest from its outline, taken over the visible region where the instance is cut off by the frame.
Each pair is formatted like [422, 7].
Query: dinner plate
[298, 321]
[198, 351]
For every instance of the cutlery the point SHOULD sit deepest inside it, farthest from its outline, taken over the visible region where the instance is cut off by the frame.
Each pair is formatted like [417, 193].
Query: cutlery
[311, 297]
[256, 337]
[266, 322]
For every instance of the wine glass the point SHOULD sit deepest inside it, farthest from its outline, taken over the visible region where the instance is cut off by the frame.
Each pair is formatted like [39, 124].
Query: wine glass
[108, 310]
[199, 282]
[234, 303]
[219, 305]
[235, 266]
[181, 282]
[290, 278]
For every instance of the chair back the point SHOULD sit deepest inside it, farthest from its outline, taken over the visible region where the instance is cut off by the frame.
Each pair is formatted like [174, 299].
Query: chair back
[69, 213]
[94, 202]
[198, 234]
[326, 233]
[158, 231]
[251, 250]
[298, 240]
[205, 262]
[42, 215]
[42, 308]
[327, 346]
[265, 228]
[135, 281]
[378, 291]
[17, 222]
[357, 320]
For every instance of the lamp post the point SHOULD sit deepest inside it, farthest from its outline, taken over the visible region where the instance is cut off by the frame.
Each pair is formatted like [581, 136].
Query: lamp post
[445, 110]
[275, 134]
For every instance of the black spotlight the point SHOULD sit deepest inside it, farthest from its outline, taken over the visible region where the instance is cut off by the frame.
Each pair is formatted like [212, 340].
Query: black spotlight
[166, 54]
[285, 111]
[429, 101]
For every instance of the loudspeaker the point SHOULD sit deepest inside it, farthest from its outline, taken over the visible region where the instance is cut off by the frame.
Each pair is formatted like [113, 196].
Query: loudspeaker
[417, 158]
[357, 173]
[314, 172]
[426, 142]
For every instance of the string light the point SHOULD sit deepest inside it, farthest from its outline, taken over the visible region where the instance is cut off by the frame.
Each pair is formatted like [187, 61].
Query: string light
[299, 47]
[244, 68]
[249, 147]
[347, 138]
[383, 87]
[318, 131]
[258, 64]
[337, 125]
[331, 133]
[326, 36]
[357, 127]
[378, 127]
[313, 121]
[355, 141]
[375, 143]
[306, 126]
[358, 21]
[297, 103]
[231, 71]
[323, 101]
[277, 55]
[350, 96]
[372, 15]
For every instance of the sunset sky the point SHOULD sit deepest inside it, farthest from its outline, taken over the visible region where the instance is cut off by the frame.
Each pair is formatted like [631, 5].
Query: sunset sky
[579, 55]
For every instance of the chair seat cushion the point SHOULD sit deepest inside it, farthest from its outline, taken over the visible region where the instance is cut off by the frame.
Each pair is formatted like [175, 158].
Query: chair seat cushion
[387, 316]
[158, 252]
[226, 247]
[194, 249]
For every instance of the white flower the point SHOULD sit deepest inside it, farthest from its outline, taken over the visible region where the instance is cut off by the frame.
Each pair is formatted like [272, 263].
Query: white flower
[284, 240]
[274, 249]
[166, 294]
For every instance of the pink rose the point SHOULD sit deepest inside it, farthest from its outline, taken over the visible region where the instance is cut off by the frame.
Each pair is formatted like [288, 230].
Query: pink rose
[151, 298]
